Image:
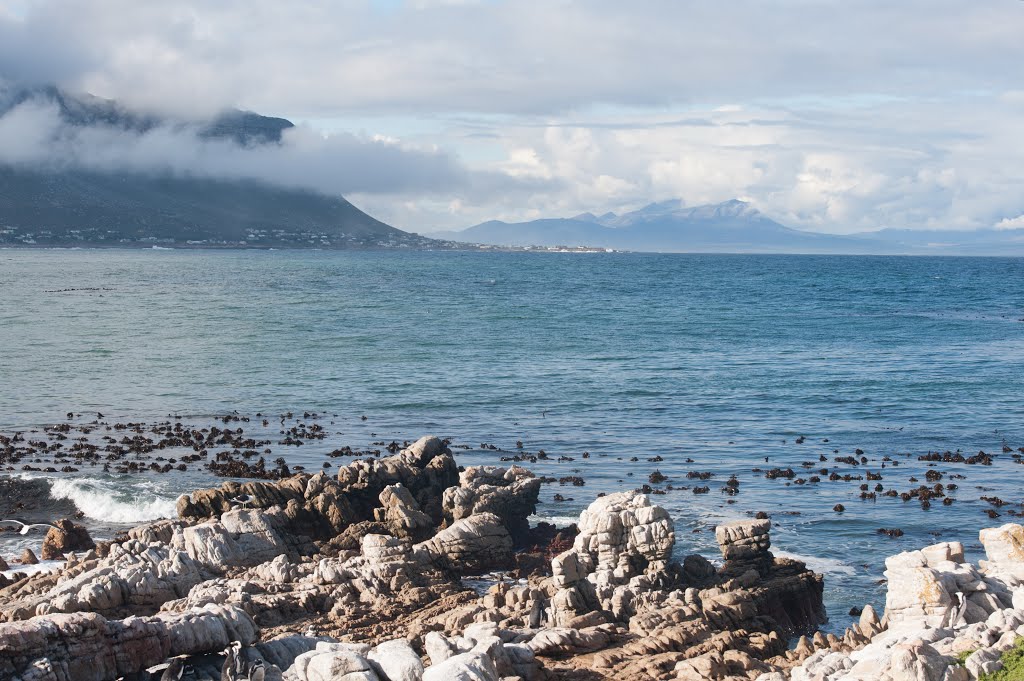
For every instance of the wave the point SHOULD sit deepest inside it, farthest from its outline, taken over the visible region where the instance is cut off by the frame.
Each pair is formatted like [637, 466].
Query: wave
[556, 520]
[102, 502]
[826, 566]
[40, 567]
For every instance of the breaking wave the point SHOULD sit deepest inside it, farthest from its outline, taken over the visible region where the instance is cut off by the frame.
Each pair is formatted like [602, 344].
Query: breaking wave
[101, 501]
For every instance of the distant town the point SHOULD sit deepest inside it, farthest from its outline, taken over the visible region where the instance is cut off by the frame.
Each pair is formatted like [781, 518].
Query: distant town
[257, 239]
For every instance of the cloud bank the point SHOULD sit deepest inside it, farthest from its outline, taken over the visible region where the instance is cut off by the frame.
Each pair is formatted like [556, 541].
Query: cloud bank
[34, 134]
[827, 115]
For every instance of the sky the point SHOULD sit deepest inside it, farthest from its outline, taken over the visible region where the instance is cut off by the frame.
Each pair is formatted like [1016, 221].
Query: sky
[833, 116]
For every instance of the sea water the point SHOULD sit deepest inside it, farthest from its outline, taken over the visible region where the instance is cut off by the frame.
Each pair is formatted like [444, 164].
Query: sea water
[714, 363]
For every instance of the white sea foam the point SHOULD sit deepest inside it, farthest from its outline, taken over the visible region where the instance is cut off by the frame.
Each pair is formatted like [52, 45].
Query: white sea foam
[556, 520]
[827, 566]
[40, 567]
[101, 501]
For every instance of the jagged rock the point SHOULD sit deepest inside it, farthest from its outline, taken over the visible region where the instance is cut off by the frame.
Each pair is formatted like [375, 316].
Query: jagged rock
[88, 647]
[28, 557]
[132, 577]
[509, 493]
[400, 512]
[425, 468]
[624, 544]
[65, 537]
[744, 545]
[319, 507]
[241, 537]
[471, 545]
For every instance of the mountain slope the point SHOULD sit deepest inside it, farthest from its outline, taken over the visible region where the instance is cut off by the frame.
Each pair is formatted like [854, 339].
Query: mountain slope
[72, 206]
[79, 207]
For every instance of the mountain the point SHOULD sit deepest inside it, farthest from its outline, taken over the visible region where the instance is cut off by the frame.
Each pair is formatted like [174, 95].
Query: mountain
[730, 227]
[71, 206]
[733, 226]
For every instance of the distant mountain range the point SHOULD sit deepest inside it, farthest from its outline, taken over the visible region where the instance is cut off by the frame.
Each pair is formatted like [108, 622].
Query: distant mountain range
[70, 206]
[733, 227]
[64, 205]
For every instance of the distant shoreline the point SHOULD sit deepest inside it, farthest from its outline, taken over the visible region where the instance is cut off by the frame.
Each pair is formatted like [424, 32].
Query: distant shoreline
[482, 248]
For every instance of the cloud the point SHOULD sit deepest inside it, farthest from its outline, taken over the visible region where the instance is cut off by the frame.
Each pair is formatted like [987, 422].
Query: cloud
[1011, 223]
[33, 133]
[523, 56]
[827, 115]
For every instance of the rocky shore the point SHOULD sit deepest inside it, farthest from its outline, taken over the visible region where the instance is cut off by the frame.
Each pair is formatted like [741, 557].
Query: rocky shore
[408, 568]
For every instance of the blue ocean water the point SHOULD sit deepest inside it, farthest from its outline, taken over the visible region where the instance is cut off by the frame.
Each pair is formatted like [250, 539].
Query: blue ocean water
[722, 360]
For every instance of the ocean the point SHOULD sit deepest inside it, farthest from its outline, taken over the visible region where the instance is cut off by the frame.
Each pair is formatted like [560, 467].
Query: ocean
[720, 364]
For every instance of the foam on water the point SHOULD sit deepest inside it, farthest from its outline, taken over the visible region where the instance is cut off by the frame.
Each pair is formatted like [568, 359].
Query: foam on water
[826, 566]
[100, 500]
[39, 568]
[556, 520]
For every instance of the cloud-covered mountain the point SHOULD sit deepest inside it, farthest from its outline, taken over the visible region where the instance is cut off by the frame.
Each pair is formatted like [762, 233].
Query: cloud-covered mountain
[734, 227]
[98, 173]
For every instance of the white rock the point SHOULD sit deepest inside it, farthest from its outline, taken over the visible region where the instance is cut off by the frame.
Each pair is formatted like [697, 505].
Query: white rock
[396, 661]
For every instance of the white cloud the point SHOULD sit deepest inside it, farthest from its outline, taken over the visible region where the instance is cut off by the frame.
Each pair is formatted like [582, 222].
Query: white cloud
[828, 115]
[1011, 223]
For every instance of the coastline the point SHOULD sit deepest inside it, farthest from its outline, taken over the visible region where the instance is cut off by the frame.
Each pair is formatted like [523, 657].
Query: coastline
[360, 576]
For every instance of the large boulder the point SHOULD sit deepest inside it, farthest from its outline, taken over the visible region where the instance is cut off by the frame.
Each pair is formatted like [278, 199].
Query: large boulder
[509, 493]
[623, 548]
[472, 545]
[744, 545]
[65, 537]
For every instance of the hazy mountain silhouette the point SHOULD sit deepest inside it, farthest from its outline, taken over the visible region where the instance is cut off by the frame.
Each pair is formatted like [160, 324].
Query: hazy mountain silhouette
[734, 227]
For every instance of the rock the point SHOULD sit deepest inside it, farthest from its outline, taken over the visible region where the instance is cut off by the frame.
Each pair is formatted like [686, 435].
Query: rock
[88, 647]
[65, 537]
[744, 545]
[566, 641]
[396, 661]
[624, 543]
[318, 507]
[471, 545]
[509, 493]
[242, 537]
[28, 557]
[400, 512]
[464, 667]
[134, 576]
[1004, 547]
[338, 665]
[3, 564]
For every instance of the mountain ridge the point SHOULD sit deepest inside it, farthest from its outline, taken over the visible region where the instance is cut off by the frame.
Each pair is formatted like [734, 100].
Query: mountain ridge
[731, 226]
[72, 206]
